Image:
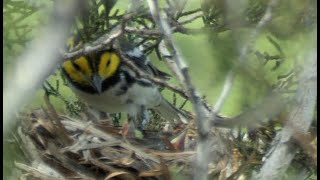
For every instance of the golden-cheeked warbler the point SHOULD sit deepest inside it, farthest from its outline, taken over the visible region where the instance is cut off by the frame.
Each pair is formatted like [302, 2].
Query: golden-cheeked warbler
[105, 83]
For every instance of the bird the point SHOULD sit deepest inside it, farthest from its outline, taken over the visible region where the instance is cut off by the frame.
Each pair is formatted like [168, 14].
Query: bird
[104, 82]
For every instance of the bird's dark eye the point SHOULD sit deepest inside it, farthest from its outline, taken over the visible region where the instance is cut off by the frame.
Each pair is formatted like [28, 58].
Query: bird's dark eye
[77, 66]
[108, 63]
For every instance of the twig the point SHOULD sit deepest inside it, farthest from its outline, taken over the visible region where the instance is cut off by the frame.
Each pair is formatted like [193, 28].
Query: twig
[270, 106]
[276, 45]
[28, 148]
[190, 18]
[105, 40]
[69, 163]
[299, 120]
[180, 68]
[243, 54]
[143, 32]
[190, 12]
[40, 60]
[122, 27]
[38, 173]
[158, 81]
[98, 133]
[61, 131]
[108, 38]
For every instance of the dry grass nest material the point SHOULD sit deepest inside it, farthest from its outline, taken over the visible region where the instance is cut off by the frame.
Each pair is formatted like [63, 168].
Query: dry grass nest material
[60, 147]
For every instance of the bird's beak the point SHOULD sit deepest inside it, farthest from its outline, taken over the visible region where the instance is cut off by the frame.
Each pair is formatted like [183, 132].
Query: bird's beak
[97, 82]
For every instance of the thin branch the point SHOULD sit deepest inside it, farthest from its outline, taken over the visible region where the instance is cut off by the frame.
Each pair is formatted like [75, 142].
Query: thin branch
[190, 18]
[299, 120]
[107, 39]
[243, 54]
[190, 12]
[40, 60]
[44, 172]
[60, 130]
[179, 67]
[142, 74]
[143, 32]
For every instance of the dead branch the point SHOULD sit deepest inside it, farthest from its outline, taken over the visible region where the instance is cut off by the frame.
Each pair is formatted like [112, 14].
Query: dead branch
[180, 68]
[42, 57]
[282, 152]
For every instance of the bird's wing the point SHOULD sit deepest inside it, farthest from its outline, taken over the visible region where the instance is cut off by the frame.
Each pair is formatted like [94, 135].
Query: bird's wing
[142, 61]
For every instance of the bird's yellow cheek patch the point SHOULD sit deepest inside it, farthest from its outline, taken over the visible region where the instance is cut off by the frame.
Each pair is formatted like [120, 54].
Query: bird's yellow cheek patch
[109, 63]
[83, 66]
[74, 73]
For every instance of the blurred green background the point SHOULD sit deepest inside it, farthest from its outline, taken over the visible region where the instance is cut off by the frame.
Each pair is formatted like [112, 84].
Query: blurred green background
[209, 55]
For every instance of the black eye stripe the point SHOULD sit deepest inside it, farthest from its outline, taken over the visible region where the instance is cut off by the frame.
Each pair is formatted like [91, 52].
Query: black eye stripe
[108, 63]
[77, 66]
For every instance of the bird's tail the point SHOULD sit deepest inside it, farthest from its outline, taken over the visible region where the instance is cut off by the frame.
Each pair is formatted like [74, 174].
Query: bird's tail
[170, 112]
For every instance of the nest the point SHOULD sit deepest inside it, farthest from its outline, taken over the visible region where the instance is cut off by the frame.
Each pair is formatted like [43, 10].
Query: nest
[60, 147]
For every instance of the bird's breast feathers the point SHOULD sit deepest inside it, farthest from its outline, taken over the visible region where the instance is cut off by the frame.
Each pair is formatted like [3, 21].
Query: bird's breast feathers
[114, 100]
